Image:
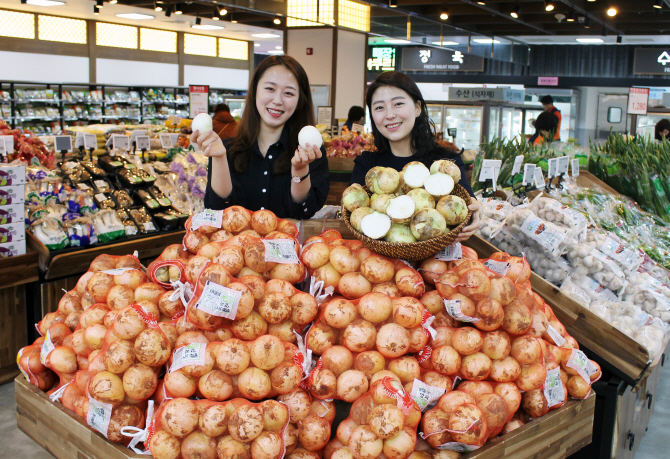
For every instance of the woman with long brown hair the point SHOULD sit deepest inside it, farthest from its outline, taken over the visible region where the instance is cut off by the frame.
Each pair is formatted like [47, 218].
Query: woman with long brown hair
[264, 167]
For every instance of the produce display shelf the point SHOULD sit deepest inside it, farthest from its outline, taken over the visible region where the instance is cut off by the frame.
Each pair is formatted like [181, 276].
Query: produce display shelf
[340, 164]
[65, 435]
[19, 270]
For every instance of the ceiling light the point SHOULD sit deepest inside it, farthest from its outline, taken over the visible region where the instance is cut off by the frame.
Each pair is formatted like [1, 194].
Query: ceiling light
[223, 11]
[178, 9]
[485, 41]
[277, 47]
[96, 10]
[587, 23]
[113, 2]
[658, 4]
[234, 21]
[571, 16]
[445, 43]
[277, 21]
[198, 21]
[99, 3]
[548, 6]
[444, 16]
[619, 39]
[590, 40]
[207, 27]
[137, 16]
[265, 35]
[44, 2]
[397, 41]
[481, 3]
[158, 8]
[611, 12]
[393, 3]
[215, 16]
[257, 44]
[590, 0]
[515, 12]
[168, 12]
[275, 51]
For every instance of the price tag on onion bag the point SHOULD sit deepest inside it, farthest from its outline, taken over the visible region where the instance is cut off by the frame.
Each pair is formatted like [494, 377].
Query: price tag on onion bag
[539, 178]
[614, 249]
[458, 447]
[578, 361]
[424, 395]
[563, 165]
[549, 237]
[281, 251]
[117, 271]
[518, 161]
[47, 347]
[553, 388]
[191, 354]
[453, 308]
[450, 253]
[575, 167]
[555, 335]
[499, 267]
[99, 415]
[591, 369]
[552, 169]
[528, 174]
[207, 217]
[219, 300]
[394, 389]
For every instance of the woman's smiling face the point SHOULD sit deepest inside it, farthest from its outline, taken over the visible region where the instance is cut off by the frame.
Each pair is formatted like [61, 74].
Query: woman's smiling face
[394, 113]
[276, 96]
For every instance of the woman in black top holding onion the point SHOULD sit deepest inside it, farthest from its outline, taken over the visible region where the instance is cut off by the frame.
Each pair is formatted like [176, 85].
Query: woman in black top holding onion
[264, 167]
[404, 133]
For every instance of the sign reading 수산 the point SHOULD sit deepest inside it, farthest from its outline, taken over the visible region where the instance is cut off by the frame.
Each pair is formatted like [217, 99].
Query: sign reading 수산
[495, 94]
[652, 61]
[435, 59]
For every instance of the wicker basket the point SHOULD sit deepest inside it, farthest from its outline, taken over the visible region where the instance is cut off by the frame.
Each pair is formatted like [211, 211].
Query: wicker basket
[412, 251]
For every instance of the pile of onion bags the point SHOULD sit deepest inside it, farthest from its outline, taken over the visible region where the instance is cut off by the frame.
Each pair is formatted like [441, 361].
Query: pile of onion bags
[354, 271]
[184, 429]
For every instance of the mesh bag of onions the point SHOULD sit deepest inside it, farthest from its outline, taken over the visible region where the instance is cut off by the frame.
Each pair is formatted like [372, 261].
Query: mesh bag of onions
[170, 266]
[28, 359]
[185, 429]
[218, 371]
[354, 271]
[309, 426]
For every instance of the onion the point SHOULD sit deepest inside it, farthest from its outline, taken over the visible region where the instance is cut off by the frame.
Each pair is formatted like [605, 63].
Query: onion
[532, 377]
[164, 445]
[254, 384]
[534, 403]
[410, 282]
[407, 312]
[216, 385]
[496, 344]
[268, 445]
[490, 313]
[179, 384]
[467, 340]
[444, 335]
[228, 447]
[298, 402]
[125, 415]
[328, 274]
[526, 349]
[518, 318]
[213, 421]
[470, 419]
[377, 269]
[351, 385]
[447, 284]
[309, 135]
[578, 387]
[389, 289]
[119, 356]
[304, 308]
[451, 400]
[250, 328]
[106, 387]
[70, 302]
[436, 422]
[128, 324]
[476, 367]
[406, 368]
[510, 393]
[314, 432]
[432, 270]
[337, 359]
[475, 284]
[266, 352]
[285, 377]
[375, 307]
[519, 270]
[392, 340]
[315, 255]
[345, 429]
[288, 272]
[344, 260]
[445, 359]
[369, 362]
[140, 381]
[236, 219]
[339, 313]
[246, 423]
[418, 339]
[503, 290]
[468, 307]
[402, 445]
[359, 336]
[512, 425]
[152, 348]
[505, 370]
[364, 444]
[321, 337]
[495, 410]
[231, 258]
[386, 421]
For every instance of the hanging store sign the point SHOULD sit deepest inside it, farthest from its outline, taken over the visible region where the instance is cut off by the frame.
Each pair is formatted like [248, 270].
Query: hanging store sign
[198, 100]
[652, 61]
[434, 59]
[547, 81]
[382, 59]
[493, 94]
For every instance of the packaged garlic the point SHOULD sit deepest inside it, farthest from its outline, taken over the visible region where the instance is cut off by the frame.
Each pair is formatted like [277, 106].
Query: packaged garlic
[558, 213]
[496, 209]
[552, 238]
[589, 261]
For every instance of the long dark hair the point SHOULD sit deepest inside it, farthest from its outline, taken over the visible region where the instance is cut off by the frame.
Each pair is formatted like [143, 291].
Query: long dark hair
[661, 126]
[239, 152]
[423, 143]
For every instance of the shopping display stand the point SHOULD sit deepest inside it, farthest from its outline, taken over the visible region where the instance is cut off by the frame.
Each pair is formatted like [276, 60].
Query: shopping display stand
[340, 177]
[16, 273]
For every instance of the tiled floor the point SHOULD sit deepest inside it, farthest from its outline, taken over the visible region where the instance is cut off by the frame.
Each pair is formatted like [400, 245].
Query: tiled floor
[15, 444]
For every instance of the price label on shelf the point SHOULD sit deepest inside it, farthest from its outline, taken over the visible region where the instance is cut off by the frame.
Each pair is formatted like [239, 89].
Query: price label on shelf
[552, 170]
[575, 167]
[120, 142]
[166, 141]
[9, 143]
[528, 174]
[142, 142]
[539, 178]
[563, 165]
[637, 101]
[518, 162]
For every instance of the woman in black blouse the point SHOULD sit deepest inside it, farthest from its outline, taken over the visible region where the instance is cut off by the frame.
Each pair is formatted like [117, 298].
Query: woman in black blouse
[403, 133]
[264, 167]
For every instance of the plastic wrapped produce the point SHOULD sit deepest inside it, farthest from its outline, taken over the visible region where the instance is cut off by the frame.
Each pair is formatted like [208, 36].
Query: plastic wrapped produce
[557, 213]
[545, 235]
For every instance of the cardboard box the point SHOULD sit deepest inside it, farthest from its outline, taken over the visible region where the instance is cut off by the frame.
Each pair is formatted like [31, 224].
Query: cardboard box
[12, 175]
[15, 213]
[12, 195]
[12, 232]
[11, 249]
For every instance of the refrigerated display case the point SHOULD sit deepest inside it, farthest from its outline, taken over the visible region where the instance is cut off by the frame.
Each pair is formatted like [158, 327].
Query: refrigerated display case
[565, 100]
[236, 107]
[645, 124]
[468, 124]
[510, 127]
[435, 114]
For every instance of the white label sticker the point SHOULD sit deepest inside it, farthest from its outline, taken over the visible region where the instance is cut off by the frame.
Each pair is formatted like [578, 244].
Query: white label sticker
[425, 396]
[538, 230]
[219, 300]
[83, 186]
[552, 169]
[117, 271]
[555, 335]
[450, 253]
[643, 319]
[518, 161]
[595, 253]
[591, 369]
[563, 165]
[553, 388]
[149, 226]
[100, 197]
[539, 178]
[47, 347]
[281, 251]
[578, 361]
[458, 447]
[613, 249]
[99, 415]
[207, 217]
[191, 354]
[101, 184]
[487, 173]
[499, 267]
[131, 230]
[453, 308]
[575, 167]
[528, 174]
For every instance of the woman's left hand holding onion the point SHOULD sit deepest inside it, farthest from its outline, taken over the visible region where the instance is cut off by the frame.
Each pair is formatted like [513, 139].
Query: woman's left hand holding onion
[474, 225]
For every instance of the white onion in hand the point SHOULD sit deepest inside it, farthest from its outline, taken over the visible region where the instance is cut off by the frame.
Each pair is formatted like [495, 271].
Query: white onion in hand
[309, 135]
[202, 123]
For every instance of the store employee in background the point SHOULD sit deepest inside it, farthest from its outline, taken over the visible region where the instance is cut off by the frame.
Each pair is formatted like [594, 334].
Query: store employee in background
[403, 133]
[548, 106]
[546, 125]
[264, 167]
[356, 116]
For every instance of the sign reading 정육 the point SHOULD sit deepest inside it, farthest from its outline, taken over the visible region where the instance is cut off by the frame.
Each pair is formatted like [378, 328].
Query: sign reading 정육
[436, 59]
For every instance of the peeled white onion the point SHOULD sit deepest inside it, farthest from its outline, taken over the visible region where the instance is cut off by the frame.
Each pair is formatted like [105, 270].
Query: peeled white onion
[202, 123]
[309, 135]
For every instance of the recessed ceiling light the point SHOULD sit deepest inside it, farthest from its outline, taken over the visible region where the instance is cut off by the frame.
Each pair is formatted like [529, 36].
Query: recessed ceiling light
[445, 43]
[44, 3]
[206, 27]
[481, 3]
[548, 6]
[393, 3]
[265, 35]
[658, 4]
[611, 12]
[515, 12]
[275, 51]
[444, 16]
[485, 41]
[223, 11]
[113, 2]
[397, 41]
[590, 40]
[178, 9]
[96, 10]
[137, 16]
[257, 44]
[277, 47]
[277, 21]
[158, 8]
[99, 3]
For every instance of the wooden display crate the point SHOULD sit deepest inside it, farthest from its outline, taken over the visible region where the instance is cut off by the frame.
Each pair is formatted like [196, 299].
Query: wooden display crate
[340, 164]
[66, 435]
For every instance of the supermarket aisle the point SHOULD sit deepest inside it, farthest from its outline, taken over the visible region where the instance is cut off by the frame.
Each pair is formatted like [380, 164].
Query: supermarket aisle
[655, 442]
[13, 442]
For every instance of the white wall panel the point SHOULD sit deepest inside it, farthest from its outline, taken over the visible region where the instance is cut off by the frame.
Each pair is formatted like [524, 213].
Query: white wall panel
[43, 68]
[216, 77]
[116, 71]
[319, 65]
[351, 72]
